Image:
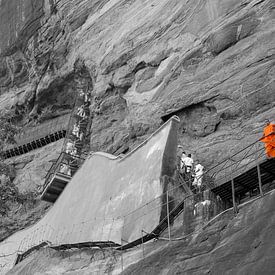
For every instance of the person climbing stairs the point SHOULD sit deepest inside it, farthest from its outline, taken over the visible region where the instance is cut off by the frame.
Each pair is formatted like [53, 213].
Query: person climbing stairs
[70, 158]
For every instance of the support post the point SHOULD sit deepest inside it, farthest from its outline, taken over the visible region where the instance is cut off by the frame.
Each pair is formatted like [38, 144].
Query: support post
[235, 207]
[168, 218]
[142, 244]
[121, 259]
[259, 179]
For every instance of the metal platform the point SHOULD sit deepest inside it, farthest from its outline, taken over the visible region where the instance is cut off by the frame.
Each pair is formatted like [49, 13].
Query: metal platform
[58, 176]
[55, 187]
[32, 145]
[31, 138]
[247, 181]
[243, 174]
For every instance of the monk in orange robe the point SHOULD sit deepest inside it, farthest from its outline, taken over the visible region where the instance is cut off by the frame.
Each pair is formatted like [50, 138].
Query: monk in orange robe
[269, 139]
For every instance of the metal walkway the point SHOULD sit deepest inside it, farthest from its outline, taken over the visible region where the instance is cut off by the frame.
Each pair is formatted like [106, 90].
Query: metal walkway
[38, 143]
[248, 181]
[55, 187]
[35, 137]
[70, 158]
[59, 175]
[242, 175]
[244, 172]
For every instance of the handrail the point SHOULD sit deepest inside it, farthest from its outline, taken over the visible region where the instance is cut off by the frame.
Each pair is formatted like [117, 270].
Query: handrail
[213, 167]
[43, 130]
[229, 166]
[61, 160]
[145, 211]
[46, 128]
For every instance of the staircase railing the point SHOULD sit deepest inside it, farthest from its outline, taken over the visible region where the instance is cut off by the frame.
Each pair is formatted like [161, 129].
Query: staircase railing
[75, 135]
[235, 165]
[72, 162]
[40, 131]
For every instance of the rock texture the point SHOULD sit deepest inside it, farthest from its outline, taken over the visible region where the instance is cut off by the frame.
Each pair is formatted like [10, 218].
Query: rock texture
[31, 168]
[28, 174]
[228, 245]
[211, 61]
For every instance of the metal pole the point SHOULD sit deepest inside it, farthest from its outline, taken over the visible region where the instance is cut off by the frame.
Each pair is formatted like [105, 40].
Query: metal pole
[168, 218]
[259, 179]
[235, 208]
[121, 259]
[142, 243]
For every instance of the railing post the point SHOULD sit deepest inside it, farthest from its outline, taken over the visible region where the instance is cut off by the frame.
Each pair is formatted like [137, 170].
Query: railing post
[142, 244]
[235, 207]
[257, 160]
[168, 218]
[259, 178]
[121, 259]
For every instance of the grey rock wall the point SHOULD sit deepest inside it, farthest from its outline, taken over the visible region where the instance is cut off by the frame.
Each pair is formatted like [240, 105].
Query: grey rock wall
[211, 61]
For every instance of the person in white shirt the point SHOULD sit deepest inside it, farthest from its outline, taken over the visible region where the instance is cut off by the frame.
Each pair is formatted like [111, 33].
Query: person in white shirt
[182, 164]
[75, 130]
[187, 162]
[81, 112]
[198, 175]
[65, 169]
[70, 148]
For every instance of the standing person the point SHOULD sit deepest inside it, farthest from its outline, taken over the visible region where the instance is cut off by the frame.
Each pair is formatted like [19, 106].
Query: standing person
[269, 139]
[65, 169]
[70, 148]
[188, 163]
[80, 111]
[198, 175]
[76, 130]
[182, 162]
[179, 153]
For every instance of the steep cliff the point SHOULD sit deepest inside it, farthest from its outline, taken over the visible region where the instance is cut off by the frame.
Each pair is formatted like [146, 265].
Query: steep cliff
[213, 61]
[210, 62]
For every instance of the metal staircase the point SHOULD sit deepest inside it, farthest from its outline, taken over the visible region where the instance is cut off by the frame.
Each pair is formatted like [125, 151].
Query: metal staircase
[59, 175]
[35, 137]
[71, 157]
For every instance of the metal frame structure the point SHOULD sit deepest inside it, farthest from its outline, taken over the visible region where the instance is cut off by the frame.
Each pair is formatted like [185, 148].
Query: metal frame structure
[36, 137]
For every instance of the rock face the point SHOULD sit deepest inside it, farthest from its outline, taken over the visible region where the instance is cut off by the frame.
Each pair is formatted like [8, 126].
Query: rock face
[228, 245]
[31, 168]
[210, 61]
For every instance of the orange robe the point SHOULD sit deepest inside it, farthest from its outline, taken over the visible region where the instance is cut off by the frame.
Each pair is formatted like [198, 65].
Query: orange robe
[269, 140]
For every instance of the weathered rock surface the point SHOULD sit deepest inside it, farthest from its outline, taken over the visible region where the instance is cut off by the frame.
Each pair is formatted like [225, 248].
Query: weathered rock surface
[31, 168]
[28, 174]
[231, 245]
[211, 60]
[241, 244]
